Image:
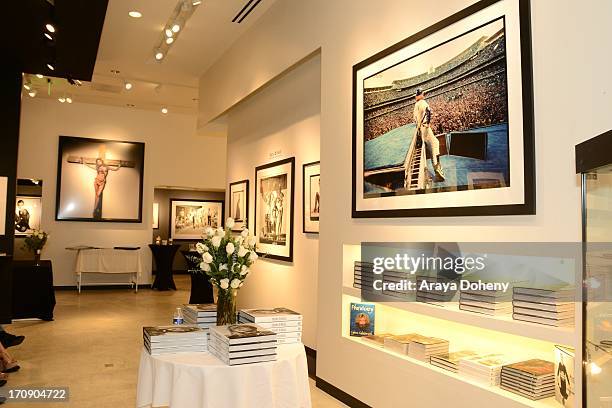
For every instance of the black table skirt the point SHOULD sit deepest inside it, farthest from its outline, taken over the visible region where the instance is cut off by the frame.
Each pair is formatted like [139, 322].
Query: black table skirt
[164, 258]
[201, 288]
[33, 293]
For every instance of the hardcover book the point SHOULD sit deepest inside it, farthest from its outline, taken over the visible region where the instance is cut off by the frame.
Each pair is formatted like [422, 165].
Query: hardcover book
[242, 333]
[270, 315]
[362, 319]
[564, 375]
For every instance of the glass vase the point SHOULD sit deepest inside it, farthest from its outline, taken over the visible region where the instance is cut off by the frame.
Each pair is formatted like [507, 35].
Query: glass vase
[226, 307]
[37, 254]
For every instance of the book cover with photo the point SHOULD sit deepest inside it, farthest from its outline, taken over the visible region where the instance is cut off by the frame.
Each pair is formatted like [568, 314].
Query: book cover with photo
[362, 319]
[564, 375]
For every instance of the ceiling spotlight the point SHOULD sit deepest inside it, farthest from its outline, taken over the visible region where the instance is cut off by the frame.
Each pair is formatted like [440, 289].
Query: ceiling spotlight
[159, 55]
[48, 37]
[127, 85]
[169, 32]
[164, 110]
[50, 27]
[176, 27]
[135, 14]
[169, 40]
[39, 76]
[32, 93]
[62, 99]
[68, 99]
[78, 82]
[27, 86]
[196, 2]
[50, 66]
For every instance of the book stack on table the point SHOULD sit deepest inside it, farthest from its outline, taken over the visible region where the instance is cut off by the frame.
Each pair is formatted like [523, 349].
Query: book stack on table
[237, 344]
[450, 361]
[485, 369]
[286, 323]
[551, 307]
[174, 339]
[533, 379]
[423, 348]
[201, 315]
[492, 303]
[399, 343]
[377, 339]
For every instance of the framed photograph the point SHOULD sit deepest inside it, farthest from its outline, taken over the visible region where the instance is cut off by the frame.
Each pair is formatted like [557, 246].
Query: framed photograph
[189, 218]
[155, 215]
[239, 204]
[443, 120]
[3, 200]
[28, 212]
[99, 180]
[311, 197]
[274, 200]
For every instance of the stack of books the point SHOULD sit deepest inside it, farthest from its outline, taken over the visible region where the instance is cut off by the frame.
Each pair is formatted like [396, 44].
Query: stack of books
[433, 296]
[485, 369]
[174, 339]
[201, 315]
[450, 361]
[400, 343]
[533, 379]
[423, 348]
[237, 344]
[552, 307]
[492, 303]
[377, 339]
[286, 323]
[363, 276]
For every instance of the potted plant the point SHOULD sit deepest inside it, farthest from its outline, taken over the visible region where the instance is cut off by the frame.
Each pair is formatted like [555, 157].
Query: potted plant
[226, 259]
[35, 242]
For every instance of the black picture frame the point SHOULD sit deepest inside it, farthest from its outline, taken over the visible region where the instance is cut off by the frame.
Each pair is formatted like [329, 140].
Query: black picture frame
[171, 219]
[66, 140]
[291, 162]
[305, 166]
[528, 207]
[238, 226]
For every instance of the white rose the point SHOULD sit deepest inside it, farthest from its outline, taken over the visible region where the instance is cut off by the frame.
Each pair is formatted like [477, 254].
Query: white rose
[245, 233]
[229, 223]
[220, 231]
[200, 247]
[253, 256]
[209, 231]
[224, 283]
[252, 241]
[216, 241]
[235, 283]
[207, 258]
[41, 236]
[223, 267]
[230, 248]
[244, 270]
[204, 266]
[242, 251]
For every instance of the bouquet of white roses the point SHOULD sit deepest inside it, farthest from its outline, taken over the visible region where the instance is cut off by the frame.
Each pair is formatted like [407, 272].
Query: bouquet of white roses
[226, 258]
[36, 240]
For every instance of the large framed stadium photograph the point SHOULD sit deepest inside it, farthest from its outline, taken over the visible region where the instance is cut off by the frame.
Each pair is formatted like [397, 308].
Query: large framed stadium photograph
[443, 120]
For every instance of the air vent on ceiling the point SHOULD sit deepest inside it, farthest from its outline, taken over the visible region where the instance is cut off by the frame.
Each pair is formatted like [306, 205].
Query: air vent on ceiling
[106, 88]
[245, 11]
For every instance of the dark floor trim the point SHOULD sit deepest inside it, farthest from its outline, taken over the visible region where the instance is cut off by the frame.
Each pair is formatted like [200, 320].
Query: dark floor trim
[311, 360]
[340, 395]
[102, 287]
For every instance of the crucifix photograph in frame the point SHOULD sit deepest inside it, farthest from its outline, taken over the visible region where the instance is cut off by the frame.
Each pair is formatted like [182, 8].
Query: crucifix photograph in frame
[99, 180]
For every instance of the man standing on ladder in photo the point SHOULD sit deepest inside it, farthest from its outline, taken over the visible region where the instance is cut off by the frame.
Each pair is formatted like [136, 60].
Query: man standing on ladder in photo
[422, 118]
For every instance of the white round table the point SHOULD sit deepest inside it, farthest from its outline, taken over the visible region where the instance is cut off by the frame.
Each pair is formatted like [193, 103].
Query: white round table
[200, 380]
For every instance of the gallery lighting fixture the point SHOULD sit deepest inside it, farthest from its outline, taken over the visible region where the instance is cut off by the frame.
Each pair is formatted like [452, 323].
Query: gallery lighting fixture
[62, 99]
[48, 37]
[51, 66]
[39, 76]
[27, 85]
[32, 93]
[135, 14]
[127, 85]
[50, 27]
[164, 110]
[69, 99]
[183, 10]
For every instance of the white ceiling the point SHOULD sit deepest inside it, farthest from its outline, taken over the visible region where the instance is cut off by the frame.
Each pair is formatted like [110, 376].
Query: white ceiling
[127, 46]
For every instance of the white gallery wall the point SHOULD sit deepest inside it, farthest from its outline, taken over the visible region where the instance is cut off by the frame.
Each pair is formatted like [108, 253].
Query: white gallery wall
[573, 101]
[174, 156]
[281, 121]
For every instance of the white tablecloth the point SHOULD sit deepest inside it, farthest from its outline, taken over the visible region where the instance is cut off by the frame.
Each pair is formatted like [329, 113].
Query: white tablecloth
[200, 380]
[108, 261]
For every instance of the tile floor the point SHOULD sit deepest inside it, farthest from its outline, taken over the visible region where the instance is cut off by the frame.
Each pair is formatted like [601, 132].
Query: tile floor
[93, 346]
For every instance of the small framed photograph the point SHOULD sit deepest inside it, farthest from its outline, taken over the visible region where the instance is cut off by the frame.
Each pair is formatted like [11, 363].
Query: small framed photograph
[274, 200]
[28, 211]
[190, 218]
[239, 204]
[155, 215]
[311, 198]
